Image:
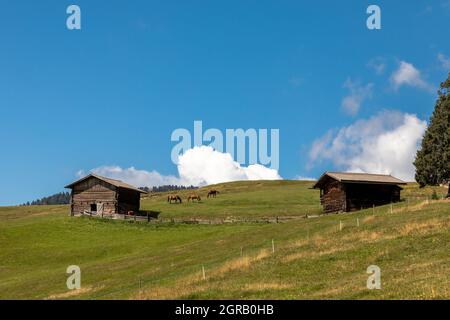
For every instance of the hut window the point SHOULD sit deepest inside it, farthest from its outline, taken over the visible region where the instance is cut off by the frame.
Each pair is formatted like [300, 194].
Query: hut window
[94, 207]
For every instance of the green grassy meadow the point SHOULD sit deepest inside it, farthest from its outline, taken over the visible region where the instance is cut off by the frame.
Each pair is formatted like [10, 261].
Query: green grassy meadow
[242, 199]
[313, 258]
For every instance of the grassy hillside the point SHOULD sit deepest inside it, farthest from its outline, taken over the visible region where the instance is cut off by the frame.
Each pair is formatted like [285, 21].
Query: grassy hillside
[237, 199]
[313, 258]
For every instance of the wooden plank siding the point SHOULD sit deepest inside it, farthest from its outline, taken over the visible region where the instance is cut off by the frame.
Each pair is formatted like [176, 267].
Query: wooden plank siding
[333, 197]
[128, 201]
[93, 190]
[343, 192]
[362, 196]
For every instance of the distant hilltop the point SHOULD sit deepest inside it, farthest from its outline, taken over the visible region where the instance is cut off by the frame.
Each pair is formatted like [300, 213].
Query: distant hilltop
[64, 197]
[57, 198]
[166, 188]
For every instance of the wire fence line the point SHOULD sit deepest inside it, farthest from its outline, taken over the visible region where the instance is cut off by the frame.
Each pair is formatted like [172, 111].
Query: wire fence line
[233, 219]
[215, 221]
[339, 225]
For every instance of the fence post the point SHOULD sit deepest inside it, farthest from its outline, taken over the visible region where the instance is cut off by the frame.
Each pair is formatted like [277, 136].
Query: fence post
[391, 208]
[373, 209]
[140, 288]
[357, 222]
[203, 272]
[340, 225]
[273, 246]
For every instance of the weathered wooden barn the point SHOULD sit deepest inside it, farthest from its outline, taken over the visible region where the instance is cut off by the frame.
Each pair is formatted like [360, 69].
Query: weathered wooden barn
[343, 192]
[95, 194]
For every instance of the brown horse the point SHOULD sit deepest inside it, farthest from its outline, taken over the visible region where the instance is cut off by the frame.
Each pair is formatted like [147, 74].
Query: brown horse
[213, 193]
[175, 198]
[193, 197]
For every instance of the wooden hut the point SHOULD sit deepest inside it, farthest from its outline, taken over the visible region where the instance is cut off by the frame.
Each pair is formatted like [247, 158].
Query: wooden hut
[343, 192]
[95, 194]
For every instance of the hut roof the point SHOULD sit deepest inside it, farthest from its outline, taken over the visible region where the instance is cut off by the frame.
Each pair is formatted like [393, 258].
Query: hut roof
[114, 182]
[351, 177]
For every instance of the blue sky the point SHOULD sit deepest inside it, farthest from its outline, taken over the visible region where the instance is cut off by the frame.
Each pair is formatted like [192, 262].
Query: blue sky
[113, 92]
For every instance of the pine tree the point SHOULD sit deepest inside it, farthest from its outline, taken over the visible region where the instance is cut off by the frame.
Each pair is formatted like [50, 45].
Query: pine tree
[58, 198]
[433, 158]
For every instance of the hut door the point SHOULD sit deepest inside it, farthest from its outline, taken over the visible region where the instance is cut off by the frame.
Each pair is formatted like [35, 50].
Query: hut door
[100, 208]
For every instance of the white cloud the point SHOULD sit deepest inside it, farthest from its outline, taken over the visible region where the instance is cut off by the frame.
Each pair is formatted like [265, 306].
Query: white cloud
[302, 178]
[445, 61]
[378, 64]
[357, 94]
[386, 143]
[135, 177]
[203, 165]
[407, 74]
[260, 172]
[198, 166]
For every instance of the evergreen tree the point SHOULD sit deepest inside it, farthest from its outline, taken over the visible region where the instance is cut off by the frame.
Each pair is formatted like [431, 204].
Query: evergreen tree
[58, 198]
[433, 159]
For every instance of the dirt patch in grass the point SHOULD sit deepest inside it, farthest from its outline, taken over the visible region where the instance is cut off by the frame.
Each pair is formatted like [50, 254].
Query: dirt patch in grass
[181, 289]
[240, 263]
[261, 286]
[368, 219]
[195, 283]
[424, 227]
[72, 293]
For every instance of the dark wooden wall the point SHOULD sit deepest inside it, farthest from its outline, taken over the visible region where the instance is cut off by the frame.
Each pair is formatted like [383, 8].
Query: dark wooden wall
[343, 197]
[332, 197]
[129, 200]
[93, 191]
[361, 196]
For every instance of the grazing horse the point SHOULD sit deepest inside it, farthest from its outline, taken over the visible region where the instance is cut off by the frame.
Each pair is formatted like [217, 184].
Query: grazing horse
[193, 197]
[175, 198]
[213, 193]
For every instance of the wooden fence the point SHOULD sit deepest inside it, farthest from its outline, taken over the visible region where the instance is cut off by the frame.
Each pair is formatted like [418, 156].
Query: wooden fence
[151, 220]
